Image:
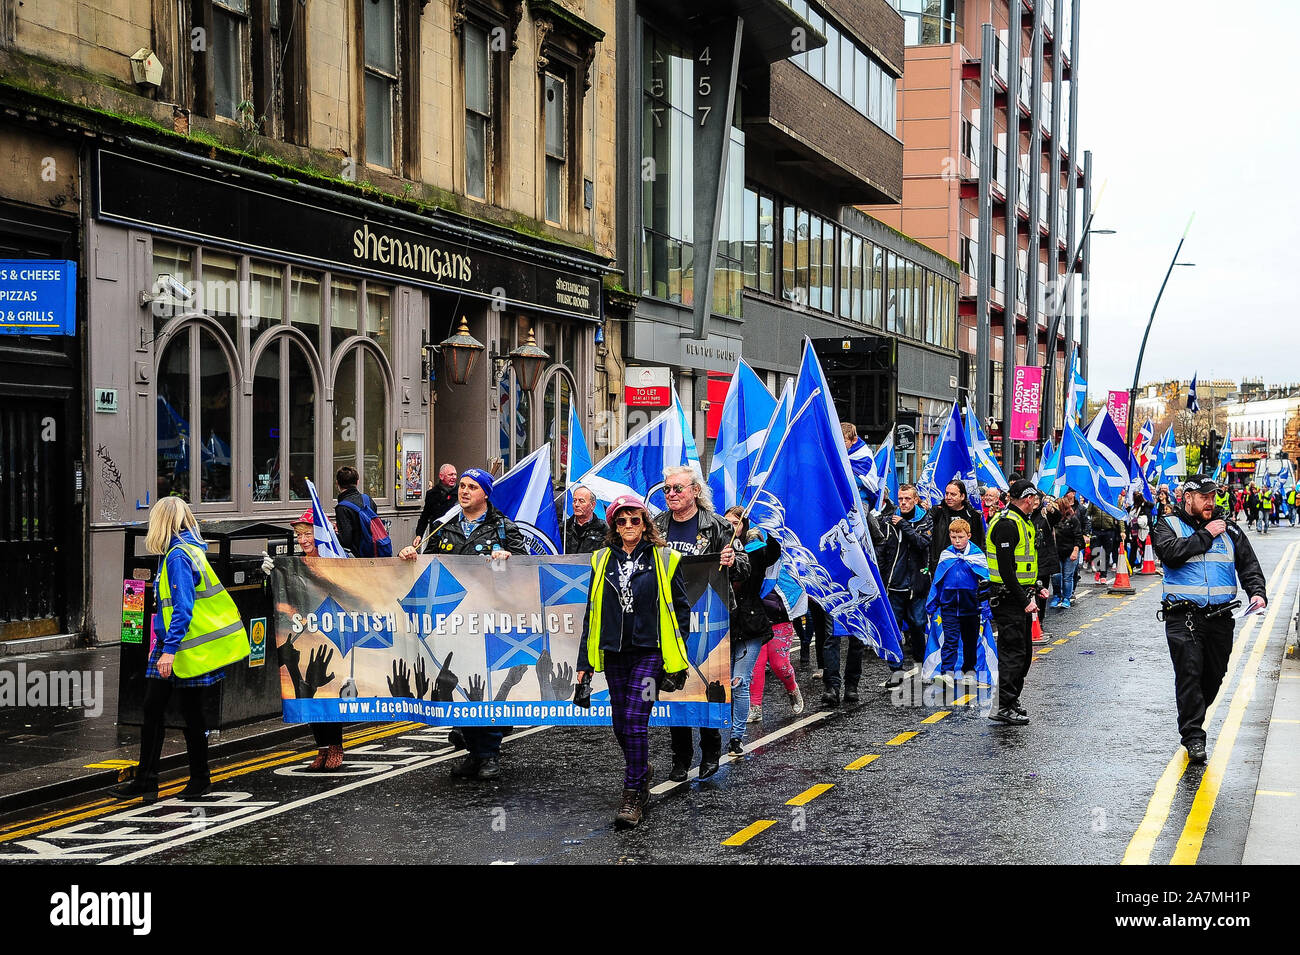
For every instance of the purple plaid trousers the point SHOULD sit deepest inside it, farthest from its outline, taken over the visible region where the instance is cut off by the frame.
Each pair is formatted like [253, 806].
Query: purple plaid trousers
[632, 677]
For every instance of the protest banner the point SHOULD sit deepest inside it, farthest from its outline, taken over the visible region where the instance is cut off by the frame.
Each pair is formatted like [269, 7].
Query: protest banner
[470, 642]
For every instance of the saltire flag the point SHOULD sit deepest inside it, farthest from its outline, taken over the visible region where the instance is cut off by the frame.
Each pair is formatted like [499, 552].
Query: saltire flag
[986, 652]
[349, 635]
[1083, 471]
[1076, 396]
[637, 465]
[1045, 479]
[1192, 403]
[327, 542]
[886, 470]
[517, 648]
[1169, 458]
[863, 463]
[1122, 471]
[578, 463]
[776, 426]
[987, 471]
[949, 460]
[809, 501]
[1225, 458]
[746, 414]
[526, 495]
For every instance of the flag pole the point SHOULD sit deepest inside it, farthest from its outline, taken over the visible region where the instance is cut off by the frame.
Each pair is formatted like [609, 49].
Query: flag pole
[777, 453]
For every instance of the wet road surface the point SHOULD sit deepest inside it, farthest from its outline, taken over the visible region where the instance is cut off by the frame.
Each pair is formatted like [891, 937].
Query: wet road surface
[1097, 777]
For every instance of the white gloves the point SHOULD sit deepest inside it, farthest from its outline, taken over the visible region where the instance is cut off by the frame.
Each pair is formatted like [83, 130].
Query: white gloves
[268, 564]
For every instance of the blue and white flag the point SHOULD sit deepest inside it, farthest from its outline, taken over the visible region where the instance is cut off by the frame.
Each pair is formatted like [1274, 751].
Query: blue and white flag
[1169, 458]
[1084, 472]
[809, 501]
[1225, 458]
[1121, 468]
[746, 414]
[637, 465]
[1192, 403]
[987, 471]
[1076, 394]
[577, 464]
[776, 426]
[949, 460]
[1048, 462]
[327, 542]
[526, 495]
[887, 470]
[863, 463]
[986, 652]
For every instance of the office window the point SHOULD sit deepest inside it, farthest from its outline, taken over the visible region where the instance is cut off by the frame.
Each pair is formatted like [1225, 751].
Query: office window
[667, 193]
[845, 308]
[817, 57]
[891, 292]
[859, 279]
[789, 252]
[478, 110]
[379, 22]
[803, 253]
[556, 124]
[766, 245]
[728, 270]
[875, 285]
[815, 263]
[829, 232]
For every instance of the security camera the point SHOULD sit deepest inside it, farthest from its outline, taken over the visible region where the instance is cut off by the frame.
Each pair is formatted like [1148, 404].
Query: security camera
[177, 289]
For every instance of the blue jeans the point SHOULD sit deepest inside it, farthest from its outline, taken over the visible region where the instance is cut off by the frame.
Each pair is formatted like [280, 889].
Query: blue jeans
[744, 652]
[909, 611]
[1063, 583]
[1263, 522]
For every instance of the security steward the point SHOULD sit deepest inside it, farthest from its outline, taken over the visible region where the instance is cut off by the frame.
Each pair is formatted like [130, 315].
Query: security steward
[584, 533]
[1223, 500]
[1013, 576]
[479, 529]
[1204, 554]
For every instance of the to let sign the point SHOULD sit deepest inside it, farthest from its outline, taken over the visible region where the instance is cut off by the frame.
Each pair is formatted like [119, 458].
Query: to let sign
[1026, 401]
[647, 388]
[38, 297]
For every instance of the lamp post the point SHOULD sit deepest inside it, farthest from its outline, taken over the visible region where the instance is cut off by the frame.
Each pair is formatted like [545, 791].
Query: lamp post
[1137, 371]
[1045, 428]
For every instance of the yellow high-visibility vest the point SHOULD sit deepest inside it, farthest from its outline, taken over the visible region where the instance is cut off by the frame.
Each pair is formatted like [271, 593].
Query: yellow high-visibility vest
[1026, 554]
[672, 645]
[216, 635]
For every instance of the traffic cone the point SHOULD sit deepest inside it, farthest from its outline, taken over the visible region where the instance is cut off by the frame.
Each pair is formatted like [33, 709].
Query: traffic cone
[1148, 559]
[1035, 630]
[1121, 584]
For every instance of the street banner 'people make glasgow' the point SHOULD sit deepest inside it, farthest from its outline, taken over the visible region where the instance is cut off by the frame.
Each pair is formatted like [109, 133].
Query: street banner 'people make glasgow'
[467, 642]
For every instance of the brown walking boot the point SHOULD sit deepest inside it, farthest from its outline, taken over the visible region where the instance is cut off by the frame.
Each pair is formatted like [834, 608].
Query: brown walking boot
[629, 813]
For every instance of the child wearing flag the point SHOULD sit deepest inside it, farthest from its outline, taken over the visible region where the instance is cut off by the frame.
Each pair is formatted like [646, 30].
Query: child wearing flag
[958, 598]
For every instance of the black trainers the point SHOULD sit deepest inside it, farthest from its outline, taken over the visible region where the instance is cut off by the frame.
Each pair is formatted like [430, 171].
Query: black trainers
[489, 768]
[467, 768]
[708, 766]
[1196, 751]
[734, 748]
[1019, 709]
[147, 789]
[1009, 716]
[895, 679]
[850, 695]
[678, 773]
[831, 697]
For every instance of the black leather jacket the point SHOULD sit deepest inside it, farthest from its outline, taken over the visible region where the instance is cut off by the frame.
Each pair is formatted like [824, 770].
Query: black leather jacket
[750, 618]
[584, 538]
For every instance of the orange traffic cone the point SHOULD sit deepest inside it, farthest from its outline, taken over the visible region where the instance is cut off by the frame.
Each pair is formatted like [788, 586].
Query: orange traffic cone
[1035, 630]
[1121, 584]
[1148, 559]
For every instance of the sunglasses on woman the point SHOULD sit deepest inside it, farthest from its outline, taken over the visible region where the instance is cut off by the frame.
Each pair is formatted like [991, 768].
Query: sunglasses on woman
[634, 521]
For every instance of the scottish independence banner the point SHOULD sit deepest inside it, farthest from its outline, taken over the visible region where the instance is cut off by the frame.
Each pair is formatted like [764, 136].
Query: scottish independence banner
[467, 642]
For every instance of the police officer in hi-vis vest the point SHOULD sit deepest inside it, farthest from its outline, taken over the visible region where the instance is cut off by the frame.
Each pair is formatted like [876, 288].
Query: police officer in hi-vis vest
[1204, 554]
[1013, 574]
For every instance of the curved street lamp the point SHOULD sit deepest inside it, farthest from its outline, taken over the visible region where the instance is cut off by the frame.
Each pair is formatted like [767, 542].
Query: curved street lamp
[1137, 371]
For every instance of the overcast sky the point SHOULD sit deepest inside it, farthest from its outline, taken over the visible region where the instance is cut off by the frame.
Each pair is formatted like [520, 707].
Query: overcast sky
[1191, 107]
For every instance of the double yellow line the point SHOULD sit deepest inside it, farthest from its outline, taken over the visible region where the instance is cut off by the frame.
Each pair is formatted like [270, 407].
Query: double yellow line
[1190, 841]
[100, 807]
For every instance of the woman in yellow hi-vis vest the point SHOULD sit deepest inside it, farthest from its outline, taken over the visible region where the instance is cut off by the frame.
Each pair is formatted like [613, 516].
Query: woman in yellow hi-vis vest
[197, 630]
[636, 625]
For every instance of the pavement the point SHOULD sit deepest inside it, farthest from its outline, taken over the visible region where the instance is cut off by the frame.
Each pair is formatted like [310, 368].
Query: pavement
[1097, 777]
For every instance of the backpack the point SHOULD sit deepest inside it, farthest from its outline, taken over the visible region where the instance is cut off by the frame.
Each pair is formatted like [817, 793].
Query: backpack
[374, 534]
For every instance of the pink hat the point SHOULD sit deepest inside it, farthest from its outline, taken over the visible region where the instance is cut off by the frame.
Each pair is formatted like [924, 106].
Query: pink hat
[622, 502]
[307, 518]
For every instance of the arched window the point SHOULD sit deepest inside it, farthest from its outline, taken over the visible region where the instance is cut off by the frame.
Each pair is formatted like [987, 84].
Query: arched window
[284, 423]
[194, 418]
[361, 419]
[557, 399]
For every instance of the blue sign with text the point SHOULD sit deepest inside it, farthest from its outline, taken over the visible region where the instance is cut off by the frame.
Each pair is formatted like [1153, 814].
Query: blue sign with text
[38, 297]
